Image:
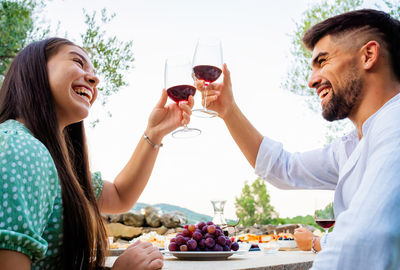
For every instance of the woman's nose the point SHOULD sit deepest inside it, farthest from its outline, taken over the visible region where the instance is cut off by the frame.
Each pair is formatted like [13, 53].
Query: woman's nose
[92, 79]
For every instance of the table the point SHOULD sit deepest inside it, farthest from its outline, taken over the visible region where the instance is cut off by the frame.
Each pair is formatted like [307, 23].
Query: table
[255, 260]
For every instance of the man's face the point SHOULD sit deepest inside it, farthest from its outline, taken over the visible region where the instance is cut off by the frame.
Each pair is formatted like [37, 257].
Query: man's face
[336, 78]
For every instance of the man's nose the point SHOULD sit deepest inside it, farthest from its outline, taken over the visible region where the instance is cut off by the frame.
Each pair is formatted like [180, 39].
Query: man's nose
[314, 80]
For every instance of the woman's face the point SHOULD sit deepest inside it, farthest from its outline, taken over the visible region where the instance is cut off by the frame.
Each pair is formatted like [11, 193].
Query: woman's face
[73, 84]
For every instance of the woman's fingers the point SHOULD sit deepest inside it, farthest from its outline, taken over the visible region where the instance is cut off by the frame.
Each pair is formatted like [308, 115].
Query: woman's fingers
[154, 257]
[157, 264]
[163, 99]
[186, 108]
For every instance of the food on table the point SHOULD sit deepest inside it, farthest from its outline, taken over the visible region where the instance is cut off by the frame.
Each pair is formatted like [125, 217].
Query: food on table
[253, 238]
[202, 237]
[119, 245]
[286, 240]
[152, 237]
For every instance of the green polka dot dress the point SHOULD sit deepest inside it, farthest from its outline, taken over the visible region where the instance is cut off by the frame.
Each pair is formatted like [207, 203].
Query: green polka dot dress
[30, 198]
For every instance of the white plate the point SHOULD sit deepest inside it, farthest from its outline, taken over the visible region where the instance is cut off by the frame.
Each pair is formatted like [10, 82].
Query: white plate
[204, 255]
[116, 251]
[119, 251]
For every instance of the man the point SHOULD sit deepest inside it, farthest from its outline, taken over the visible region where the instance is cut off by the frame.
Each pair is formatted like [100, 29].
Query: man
[356, 73]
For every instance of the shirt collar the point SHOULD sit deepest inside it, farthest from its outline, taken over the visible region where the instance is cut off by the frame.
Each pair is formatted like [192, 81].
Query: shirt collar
[367, 122]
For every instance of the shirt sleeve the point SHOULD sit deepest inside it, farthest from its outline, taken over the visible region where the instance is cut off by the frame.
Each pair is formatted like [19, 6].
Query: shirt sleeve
[367, 235]
[298, 170]
[28, 182]
[97, 183]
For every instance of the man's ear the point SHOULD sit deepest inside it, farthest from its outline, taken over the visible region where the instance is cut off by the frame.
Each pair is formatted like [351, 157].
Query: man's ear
[370, 54]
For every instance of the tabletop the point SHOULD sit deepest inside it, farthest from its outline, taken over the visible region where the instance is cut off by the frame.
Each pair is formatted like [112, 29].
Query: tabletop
[256, 260]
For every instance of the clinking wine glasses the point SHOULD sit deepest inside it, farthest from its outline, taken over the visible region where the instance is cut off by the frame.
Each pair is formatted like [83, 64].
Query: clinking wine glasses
[179, 84]
[207, 66]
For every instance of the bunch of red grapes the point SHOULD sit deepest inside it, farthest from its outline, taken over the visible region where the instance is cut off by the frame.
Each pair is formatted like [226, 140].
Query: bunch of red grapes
[202, 237]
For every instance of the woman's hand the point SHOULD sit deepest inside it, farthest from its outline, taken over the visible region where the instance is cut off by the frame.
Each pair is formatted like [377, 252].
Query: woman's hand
[166, 118]
[140, 256]
[219, 95]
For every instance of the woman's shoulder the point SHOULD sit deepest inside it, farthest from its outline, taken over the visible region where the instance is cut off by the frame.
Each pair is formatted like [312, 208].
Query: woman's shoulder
[17, 134]
[18, 143]
[12, 129]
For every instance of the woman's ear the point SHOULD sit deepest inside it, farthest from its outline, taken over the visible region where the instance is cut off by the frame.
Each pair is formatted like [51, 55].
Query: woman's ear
[370, 54]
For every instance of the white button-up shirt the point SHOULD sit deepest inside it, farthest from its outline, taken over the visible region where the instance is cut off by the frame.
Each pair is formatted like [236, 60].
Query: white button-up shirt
[366, 177]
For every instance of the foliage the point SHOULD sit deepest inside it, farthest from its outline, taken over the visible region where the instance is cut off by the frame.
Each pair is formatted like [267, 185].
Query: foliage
[110, 56]
[327, 212]
[21, 25]
[304, 220]
[253, 206]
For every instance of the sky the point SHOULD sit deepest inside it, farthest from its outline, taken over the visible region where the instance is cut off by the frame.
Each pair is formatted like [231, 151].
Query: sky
[256, 41]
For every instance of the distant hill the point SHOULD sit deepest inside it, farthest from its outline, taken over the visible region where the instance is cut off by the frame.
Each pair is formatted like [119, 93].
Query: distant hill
[193, 217]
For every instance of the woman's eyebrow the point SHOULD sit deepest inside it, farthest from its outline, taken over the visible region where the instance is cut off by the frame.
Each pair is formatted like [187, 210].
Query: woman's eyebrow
[84, 59]
[80, 55]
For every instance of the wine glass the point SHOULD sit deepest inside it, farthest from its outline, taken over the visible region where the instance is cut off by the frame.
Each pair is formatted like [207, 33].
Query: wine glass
[207, 66]
[179, 84]
[324, 215]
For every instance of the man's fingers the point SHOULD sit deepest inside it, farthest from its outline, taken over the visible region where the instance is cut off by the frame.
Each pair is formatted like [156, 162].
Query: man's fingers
[227, 75]
[199, 85]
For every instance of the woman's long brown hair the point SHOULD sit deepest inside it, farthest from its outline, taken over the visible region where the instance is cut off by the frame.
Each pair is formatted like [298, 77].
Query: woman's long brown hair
[25, 94]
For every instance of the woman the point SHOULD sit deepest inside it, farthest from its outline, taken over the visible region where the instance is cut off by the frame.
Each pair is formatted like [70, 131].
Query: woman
[50, 203]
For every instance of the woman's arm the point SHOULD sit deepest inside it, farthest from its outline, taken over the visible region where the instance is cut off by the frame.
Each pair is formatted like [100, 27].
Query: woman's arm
[122, 194]
[11, 260]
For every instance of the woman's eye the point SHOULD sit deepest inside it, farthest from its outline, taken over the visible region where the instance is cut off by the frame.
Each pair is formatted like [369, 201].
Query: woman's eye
[79, 61]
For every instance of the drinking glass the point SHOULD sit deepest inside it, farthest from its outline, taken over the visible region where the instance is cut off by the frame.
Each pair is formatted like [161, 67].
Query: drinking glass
[179, 84]
[219, 218]
[207, 66]
[324, 215]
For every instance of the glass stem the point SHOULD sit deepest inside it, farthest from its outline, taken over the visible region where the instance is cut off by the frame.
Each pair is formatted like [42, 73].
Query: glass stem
[205, 96]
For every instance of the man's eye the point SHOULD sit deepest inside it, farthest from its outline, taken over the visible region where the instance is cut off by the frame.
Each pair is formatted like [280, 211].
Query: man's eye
[321, 60]
[79, 61]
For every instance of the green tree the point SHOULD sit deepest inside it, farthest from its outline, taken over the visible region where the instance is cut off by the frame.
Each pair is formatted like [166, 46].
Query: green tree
[299, 72]
[253, 206]
[21, 25]
[17, 20]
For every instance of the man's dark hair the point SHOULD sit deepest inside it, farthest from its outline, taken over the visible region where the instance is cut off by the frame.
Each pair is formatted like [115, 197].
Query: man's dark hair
[381, 25]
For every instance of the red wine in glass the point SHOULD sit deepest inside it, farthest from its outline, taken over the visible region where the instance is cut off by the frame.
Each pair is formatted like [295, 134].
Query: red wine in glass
[325, 223]
[178, 82]
[207, 66]
[181, 92]
[207, 73]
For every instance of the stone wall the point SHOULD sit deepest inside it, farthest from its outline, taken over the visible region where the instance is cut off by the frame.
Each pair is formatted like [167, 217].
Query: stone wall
[135, 223]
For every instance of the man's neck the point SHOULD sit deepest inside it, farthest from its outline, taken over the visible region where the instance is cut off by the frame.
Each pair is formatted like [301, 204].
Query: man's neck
[375, 94]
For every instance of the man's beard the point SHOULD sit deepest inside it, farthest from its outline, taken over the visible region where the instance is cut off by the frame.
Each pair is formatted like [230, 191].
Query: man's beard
[343, 101]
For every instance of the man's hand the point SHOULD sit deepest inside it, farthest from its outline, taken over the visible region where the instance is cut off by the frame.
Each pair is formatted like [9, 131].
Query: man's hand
[303, 238]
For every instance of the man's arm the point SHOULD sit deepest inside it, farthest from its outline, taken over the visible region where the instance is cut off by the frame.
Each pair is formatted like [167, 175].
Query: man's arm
[366, 235]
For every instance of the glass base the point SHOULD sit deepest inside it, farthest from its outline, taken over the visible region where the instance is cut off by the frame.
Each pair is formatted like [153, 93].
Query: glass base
[204, 113]
[186, 133]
